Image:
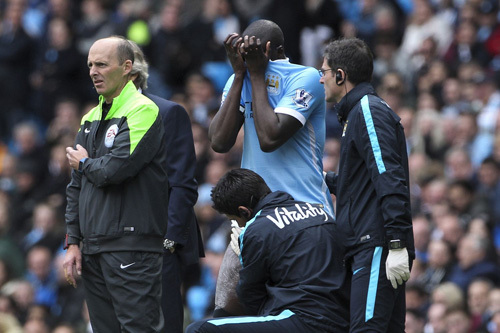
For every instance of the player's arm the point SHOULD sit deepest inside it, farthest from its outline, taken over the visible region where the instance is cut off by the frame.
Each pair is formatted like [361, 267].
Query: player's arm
[273, 129]
[226, 124]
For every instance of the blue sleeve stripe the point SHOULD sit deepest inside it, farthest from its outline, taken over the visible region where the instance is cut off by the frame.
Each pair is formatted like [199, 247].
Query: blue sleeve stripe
[372, 285]
[243, 233]
[370, 126]
[245, 320]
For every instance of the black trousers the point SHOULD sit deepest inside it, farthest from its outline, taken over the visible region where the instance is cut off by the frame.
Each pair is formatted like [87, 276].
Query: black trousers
[375, 306]
[286, 322]
[171, 298]
[123, 291]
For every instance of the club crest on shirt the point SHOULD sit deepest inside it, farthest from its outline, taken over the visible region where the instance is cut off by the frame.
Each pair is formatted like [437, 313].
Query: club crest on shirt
[302, 98]
[110, 135]
[273, 83]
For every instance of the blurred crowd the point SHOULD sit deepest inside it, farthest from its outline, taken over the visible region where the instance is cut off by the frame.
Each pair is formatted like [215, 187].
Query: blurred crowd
[437, 64]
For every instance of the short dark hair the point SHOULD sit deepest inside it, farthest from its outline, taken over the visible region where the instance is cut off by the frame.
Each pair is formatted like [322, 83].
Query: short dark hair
[490, 160]
[238, 187]
[353, 56]
[266, 31]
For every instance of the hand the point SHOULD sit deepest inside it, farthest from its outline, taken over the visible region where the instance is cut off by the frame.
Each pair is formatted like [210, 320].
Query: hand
[232, 44]
[169, 245]
[72, 264]
[75, 155]
[255, 56]
[235, 235]
[397, 267]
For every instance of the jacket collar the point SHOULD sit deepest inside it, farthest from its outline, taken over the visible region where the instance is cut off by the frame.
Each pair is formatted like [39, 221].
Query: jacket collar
[272, 199]
[121, 99]
[351, 99]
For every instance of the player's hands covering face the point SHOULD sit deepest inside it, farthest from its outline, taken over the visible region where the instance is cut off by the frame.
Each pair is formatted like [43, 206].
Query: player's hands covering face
[254, 54]
[232, 45]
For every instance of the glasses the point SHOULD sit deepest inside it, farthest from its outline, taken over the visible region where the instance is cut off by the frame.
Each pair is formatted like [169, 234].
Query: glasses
[323, 71]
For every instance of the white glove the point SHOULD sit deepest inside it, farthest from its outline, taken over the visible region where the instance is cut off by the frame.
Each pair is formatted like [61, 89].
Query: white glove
[235, 234]
[397, 267]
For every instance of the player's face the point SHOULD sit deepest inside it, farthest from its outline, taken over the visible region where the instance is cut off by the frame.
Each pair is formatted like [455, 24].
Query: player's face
[328, 81]
[107, 74]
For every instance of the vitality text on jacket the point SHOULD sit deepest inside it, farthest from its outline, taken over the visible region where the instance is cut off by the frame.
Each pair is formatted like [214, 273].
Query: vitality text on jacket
[283, 216]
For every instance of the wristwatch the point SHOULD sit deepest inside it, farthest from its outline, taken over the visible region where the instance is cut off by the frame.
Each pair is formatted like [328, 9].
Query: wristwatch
[169, 245]
[396, 244]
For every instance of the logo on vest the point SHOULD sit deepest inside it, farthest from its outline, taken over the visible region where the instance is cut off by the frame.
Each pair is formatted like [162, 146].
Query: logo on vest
[283, 217]
[110, 135]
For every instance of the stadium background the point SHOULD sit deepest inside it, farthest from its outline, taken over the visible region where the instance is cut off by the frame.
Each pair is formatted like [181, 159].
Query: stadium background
[437, 64]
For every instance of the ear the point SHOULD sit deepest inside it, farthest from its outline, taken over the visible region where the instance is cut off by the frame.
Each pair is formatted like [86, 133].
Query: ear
[340, 77]
[127, 67]
[267, 49]
[245, 212]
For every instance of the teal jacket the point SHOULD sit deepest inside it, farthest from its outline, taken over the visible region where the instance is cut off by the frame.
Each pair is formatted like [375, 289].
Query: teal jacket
[118, 201]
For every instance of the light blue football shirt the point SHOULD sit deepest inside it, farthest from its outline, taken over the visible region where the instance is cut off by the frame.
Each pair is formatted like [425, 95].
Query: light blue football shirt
[297, 166]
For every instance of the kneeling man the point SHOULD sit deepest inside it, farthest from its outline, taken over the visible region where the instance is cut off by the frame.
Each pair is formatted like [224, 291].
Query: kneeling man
[291, 273]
